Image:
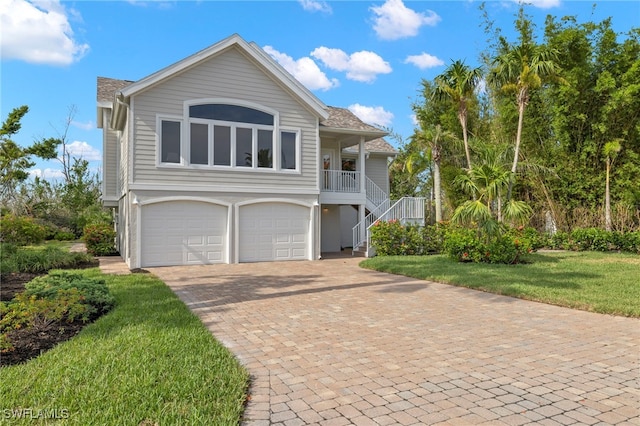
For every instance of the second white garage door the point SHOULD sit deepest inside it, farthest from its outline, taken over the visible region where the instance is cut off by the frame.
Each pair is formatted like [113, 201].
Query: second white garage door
[183, 233]
[273, 231]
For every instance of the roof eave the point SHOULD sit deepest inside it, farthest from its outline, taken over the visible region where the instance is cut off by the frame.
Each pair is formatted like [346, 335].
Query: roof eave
[354, 132]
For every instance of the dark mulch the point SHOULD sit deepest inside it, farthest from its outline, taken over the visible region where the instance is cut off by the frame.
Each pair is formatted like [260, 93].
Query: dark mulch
[12, 284]
[29, 343]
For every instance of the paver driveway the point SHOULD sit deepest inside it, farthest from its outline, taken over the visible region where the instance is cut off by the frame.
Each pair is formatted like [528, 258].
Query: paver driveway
[327, 342]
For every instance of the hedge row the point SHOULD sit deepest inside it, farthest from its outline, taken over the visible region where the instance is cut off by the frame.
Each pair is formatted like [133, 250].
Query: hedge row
[468, 245]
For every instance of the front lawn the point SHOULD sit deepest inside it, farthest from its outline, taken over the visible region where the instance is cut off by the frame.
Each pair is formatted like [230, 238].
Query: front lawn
[607, 283]
[149, 361]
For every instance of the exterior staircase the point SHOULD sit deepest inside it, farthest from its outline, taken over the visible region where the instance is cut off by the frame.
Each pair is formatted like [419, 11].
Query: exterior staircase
[382, 208]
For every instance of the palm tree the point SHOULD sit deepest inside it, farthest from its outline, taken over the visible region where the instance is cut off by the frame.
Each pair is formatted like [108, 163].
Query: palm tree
[458, 83]
[487, 182]
[431, 139]
[611, 150]
[520, 70]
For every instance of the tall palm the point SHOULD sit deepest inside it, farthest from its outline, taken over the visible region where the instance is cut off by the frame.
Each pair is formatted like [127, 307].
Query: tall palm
[520, 70]
[431, 138]
[458, 83]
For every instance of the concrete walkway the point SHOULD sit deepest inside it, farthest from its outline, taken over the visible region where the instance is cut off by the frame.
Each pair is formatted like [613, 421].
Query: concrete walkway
[330, 343]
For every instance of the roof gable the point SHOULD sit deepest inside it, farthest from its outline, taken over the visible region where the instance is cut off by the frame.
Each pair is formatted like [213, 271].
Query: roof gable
[252, 51]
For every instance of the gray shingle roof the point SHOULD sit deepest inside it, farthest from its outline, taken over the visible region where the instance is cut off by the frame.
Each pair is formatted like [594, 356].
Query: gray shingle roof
[377, 145]
[107, 87]
[339, 118]
[342, 118]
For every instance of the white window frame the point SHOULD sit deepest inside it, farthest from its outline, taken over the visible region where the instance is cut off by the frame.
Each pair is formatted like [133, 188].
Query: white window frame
[159, 120]
[298, 147]
[185, 138]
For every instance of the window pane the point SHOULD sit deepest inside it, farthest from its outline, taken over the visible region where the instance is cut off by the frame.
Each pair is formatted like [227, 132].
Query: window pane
[222, 146]
[288, 150]
[244, 147]
[170, 145]
[199, 143]
[234, 113]
[265, 148]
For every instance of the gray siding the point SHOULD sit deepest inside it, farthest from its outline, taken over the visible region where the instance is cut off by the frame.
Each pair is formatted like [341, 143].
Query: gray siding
[377, 170]
[109, 160]
[123, 170]
[227, 75]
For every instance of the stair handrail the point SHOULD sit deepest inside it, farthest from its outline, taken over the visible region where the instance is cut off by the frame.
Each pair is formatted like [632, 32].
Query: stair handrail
[406, 208]
[359, 230]
[375, 194]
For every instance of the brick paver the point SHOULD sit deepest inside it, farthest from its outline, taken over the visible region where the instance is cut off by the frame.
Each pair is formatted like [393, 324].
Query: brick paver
[330, 343]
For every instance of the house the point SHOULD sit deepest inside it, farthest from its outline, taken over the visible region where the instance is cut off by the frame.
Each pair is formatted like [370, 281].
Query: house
[224, 157]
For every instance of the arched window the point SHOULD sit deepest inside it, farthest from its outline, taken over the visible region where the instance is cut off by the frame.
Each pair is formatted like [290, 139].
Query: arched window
[223, 134]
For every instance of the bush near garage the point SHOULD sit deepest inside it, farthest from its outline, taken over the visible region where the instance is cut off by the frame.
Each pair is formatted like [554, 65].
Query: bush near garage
[100, 239]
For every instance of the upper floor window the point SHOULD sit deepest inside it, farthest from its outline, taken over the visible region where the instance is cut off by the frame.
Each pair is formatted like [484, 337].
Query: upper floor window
[231, 136]
[235, 113]
[170, 141]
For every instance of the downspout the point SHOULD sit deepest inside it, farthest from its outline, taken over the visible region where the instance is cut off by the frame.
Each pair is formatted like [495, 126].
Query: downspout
[119, 111]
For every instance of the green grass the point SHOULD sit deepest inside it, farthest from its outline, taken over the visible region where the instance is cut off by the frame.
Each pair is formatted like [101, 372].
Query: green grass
[607, 283]
[149, 361]
[40, 258]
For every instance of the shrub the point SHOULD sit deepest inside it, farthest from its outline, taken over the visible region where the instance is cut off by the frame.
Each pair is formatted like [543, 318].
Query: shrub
[100, 239]
[31, 311]
[392, 238]
[465, 245]
[592, 239]
[95, 293]
[559, 241]
[64, 236]
[21, 230]
[39, 259]
[627, 241]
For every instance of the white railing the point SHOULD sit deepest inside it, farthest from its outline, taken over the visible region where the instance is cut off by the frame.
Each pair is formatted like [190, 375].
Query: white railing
[407, 209]
[340, 181]
[359, 231]
[375, 194]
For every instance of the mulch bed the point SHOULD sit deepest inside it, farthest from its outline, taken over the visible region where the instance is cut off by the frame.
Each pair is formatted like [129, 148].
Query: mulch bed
[29, 343]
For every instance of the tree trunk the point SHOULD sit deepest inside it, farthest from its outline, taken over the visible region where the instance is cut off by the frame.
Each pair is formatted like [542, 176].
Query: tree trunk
[607, 199]
[436, 189]
[462, 116]
[516, 154]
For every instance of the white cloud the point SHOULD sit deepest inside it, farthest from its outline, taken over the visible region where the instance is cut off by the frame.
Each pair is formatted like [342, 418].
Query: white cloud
[542, 4]
[81, 149]
[393, 20]
[89, 125]
[47, 173]
[424, 61]
[315, 6]
[38, 32]
[360, 66]
[372, 115]
[305, 70]
[414, 119]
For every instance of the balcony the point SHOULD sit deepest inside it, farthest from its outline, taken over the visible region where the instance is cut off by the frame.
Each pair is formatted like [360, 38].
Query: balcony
[340, 181]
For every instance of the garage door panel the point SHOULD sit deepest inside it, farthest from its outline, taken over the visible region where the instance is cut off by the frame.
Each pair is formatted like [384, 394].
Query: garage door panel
[273, 231]
[183, 232]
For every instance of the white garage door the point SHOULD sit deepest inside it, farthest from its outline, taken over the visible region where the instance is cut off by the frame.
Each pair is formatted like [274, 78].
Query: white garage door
[183, 233]
[274, 231]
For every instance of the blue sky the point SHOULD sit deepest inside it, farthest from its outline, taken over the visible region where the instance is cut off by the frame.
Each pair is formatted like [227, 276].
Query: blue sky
[368, 56]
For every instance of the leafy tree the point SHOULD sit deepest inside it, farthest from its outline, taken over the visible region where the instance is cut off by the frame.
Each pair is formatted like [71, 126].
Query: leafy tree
[431, 138]
[458, 83]
[16, 160]
[520, 69]
[487, 181]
